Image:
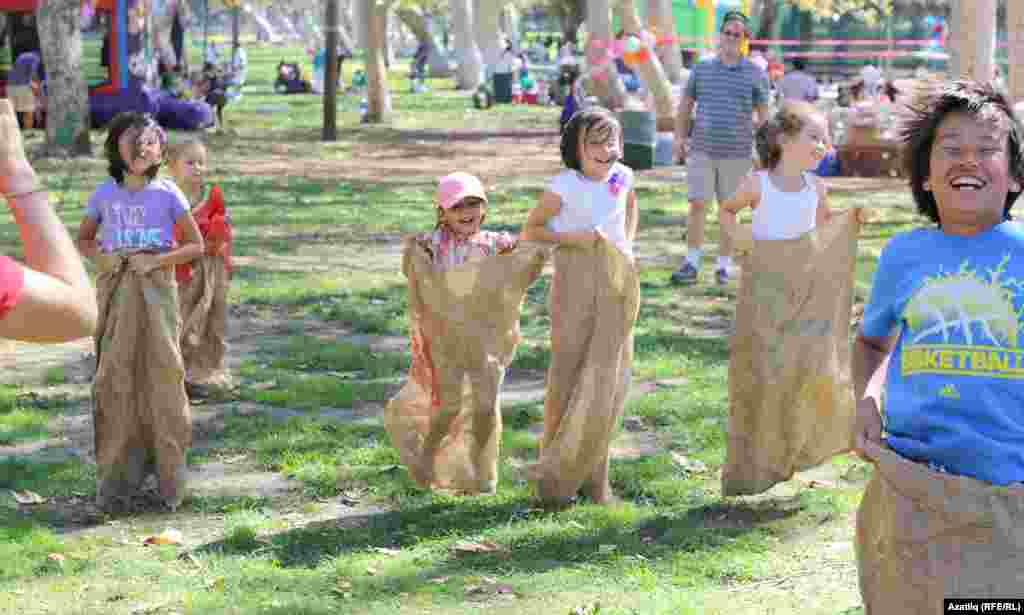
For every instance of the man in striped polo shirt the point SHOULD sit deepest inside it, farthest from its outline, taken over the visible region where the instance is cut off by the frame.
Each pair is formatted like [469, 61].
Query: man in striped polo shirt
[731, 95]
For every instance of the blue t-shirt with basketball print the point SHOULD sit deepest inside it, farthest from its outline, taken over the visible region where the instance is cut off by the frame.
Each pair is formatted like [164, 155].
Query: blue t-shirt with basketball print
[954, 393]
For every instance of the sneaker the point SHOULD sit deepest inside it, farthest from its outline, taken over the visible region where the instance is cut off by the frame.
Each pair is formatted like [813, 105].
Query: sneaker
[685, 276]
[722, 276]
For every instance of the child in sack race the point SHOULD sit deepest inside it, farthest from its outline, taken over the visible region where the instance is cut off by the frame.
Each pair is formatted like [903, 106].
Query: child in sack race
[203, 284]
[941, 516]
[465, 289]
[790, 395]
[141, 414]
[590, 212]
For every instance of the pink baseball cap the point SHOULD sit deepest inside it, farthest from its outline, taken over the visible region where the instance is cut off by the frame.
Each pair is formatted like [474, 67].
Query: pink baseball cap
[454, 187]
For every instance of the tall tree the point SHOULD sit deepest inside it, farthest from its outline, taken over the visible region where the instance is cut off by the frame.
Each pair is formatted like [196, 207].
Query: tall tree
[470, 69]
[608, 89]
[975, 34]
[330, 131]
[660, 16]
[650, 70]
[67, 101]
[1015, 49]
[417, 21]
[375, 26]
[488, 31]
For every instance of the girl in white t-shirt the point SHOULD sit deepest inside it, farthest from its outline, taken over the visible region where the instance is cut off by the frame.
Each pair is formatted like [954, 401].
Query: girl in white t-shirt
[590, 210]
[786, 198]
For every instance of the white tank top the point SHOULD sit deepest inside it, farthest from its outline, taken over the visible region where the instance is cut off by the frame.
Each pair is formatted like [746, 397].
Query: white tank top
[784, 215]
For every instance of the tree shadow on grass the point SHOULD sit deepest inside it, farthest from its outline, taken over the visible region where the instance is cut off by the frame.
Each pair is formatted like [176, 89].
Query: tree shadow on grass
[558, 542]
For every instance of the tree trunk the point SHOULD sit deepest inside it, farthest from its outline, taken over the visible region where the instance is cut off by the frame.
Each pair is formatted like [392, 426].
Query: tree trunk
[347, 31]
[378, 97]
[767, 22]
[574, 15]
[508, 19]
[974, 39]
[609, 91]
[470, 73]
[330, 128]
[358, 24]
[488, 32]
[1015, 44]
[650, 71]
[416, 21]
[660, 16]
[67, 101]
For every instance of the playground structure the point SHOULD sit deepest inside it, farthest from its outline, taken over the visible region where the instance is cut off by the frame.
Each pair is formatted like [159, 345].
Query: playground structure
[130, 61]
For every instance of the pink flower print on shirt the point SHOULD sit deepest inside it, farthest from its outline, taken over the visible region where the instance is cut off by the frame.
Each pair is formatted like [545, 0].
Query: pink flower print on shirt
[616, 183]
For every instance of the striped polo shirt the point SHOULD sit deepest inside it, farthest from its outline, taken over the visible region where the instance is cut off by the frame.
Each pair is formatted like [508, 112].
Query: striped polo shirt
[726, 96]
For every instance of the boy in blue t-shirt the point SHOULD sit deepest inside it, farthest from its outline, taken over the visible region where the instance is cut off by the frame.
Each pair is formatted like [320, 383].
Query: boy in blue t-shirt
[942, 334]
[946, 302]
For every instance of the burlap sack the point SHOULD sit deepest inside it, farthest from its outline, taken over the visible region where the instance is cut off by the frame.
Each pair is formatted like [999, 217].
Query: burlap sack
[141, 414]
[594, 301]
[464, 325]
[923, 536]
[204, 312]
[790, 384]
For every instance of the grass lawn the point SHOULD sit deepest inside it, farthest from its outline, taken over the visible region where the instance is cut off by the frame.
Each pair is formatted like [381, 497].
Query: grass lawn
[317, 236]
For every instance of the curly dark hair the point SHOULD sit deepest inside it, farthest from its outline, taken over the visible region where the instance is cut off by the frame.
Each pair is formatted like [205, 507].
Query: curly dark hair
[926, 112]
[787, 122]
[580, 125]
[116, 166]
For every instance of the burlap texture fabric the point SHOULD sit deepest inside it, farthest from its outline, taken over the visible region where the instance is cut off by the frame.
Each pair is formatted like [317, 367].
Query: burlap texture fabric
[594, 301]
[924, 535]
[141, 414]
[790, 384]
[464, 324]
[204, 314]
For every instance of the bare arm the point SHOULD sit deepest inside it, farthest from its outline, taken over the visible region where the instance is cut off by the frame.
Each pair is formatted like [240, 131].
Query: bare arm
[57, 302]
[536, 224]
[748, 195]
[87, 237]
[870, 361]
[191, 246]
[683, 117]
[823, 213]
[632, 216]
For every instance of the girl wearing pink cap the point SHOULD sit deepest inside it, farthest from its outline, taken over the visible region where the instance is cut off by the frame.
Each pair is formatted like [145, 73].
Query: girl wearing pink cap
[457, 238]
[465, 289]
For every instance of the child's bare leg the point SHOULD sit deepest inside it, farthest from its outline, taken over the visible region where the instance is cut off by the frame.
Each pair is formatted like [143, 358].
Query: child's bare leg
[451, 381]
[597, 487]
[487, 426]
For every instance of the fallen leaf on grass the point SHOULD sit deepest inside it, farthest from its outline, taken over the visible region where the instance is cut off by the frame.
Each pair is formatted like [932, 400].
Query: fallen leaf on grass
[370, 570]
[824, 484]
[607, 548]
[56, 557]
[28, 497]
[167, 537]
[695, 466]
[478, 547]
[439, 580]
[386, 551]
[264, 386]
[216, 585]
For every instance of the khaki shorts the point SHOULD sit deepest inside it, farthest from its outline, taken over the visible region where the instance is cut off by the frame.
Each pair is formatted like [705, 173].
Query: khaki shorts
[716, 179]
[22, 98]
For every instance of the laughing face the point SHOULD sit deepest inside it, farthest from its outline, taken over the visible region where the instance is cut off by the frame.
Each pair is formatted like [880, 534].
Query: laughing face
[465, 217]
[599, 150]
[969, 172]
[140, 149]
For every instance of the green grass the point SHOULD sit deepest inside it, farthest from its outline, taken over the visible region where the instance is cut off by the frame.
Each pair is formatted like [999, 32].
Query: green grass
[318, 250]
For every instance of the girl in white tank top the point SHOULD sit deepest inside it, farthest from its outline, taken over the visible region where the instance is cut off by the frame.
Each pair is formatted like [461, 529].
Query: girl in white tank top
[787, 201]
